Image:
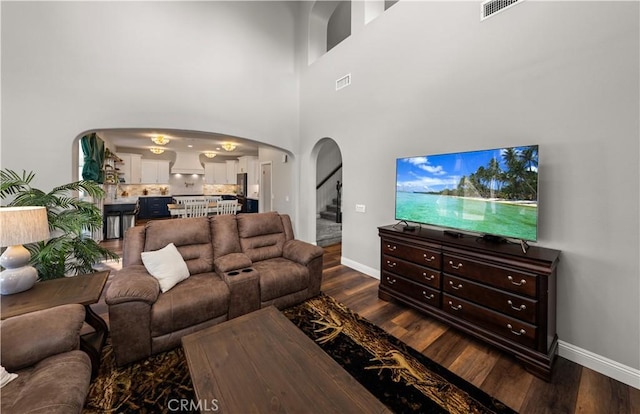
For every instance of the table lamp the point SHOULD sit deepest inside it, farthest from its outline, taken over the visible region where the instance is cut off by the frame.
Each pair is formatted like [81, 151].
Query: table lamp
[18, 226]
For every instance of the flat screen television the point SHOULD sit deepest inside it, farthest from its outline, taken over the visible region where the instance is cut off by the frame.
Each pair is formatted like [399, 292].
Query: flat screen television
[492, 192]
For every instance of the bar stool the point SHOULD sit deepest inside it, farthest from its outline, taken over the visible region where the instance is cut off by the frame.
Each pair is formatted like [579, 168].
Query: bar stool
[113, 218]
[128, 218]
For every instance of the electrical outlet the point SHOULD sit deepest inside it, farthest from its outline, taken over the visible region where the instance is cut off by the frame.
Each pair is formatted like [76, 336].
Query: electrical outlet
[361, 208]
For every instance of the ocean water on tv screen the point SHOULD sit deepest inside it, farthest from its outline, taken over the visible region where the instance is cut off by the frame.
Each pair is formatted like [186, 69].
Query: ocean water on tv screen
[508, 219]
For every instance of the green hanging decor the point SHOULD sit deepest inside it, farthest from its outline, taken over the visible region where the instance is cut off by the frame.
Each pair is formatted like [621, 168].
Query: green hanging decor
[93, 150]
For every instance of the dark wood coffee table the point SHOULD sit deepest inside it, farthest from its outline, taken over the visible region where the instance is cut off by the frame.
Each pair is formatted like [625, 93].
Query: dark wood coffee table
[82, 289]
[261, 362]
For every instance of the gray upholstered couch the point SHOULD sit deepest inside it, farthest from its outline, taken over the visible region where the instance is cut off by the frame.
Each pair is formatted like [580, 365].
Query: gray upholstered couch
[237, 264]
[43, 349]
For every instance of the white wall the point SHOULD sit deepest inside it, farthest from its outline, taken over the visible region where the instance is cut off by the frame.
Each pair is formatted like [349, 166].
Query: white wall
[69, 67]
[284, 181]
[429, 77]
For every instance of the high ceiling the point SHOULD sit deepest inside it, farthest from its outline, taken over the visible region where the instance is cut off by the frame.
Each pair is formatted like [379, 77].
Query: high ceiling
[180, 141]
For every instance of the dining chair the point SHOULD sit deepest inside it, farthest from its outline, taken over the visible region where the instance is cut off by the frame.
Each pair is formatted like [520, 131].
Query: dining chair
[197, 209]
[227, 206]
[213, 199]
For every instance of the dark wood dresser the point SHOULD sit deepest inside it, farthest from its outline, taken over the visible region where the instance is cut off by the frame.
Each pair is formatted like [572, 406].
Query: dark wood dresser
[492, 291]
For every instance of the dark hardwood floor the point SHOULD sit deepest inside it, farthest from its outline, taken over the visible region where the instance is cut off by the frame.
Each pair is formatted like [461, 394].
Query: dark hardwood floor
[573, 388]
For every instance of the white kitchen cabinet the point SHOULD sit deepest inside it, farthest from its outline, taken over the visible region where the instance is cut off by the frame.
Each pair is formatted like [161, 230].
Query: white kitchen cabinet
[251, 166]
[155, 171]
[130, 167]
[232, 172]
[209, 173]
[215, 173]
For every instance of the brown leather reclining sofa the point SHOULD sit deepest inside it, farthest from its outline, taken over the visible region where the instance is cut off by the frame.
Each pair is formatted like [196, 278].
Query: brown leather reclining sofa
[237, 264]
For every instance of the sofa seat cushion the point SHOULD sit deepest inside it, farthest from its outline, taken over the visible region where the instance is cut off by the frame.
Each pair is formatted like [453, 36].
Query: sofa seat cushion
[58, 384]
[280, 277]
[197, 299]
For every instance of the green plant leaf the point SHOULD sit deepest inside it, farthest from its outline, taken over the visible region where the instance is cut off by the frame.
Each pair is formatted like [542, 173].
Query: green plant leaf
[67, 252]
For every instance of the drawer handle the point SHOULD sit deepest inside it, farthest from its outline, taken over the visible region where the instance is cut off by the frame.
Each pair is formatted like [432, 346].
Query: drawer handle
[455, 308]
[457, 267]
[454, 286]
[428, 297]
[521, 308]
[522, 331]
[522, 282]
[391, 264]
[429, 259]
[392, 248]
[391, 281]
[428, 277]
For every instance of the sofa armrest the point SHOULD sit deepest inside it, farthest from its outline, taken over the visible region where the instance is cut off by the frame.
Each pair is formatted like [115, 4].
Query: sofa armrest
[130, 297]
[244, 291]
[301, 252]
[131, 284]
[230, 262]
[32, 337]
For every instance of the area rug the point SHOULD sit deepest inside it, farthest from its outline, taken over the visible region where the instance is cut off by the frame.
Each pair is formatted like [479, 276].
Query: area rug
[158, 384]
[399, 376]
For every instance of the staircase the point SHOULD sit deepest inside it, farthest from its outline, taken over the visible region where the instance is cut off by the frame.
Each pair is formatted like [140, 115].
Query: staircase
[331, 211]
[328, 232]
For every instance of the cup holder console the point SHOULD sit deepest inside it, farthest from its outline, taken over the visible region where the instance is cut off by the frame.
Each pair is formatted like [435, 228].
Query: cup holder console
[237, 272]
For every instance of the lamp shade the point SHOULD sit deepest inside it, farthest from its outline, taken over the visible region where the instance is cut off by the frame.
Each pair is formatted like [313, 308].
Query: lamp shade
[22, 225]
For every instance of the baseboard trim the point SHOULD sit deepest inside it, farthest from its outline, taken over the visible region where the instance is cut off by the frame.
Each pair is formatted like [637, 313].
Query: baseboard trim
[605, 366]
[369, 271]
[598, 363]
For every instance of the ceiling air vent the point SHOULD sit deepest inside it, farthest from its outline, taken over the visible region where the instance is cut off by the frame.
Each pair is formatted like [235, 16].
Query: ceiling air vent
[490, 7]
[343, 82]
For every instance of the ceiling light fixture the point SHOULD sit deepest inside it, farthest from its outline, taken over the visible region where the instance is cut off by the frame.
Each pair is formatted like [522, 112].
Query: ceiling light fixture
[210, 154]
[160, 140]
[229, 146]
[156, 150]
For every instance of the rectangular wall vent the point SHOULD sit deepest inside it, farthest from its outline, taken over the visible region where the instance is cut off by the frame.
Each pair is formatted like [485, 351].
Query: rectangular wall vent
[343, 82]
[489, 8]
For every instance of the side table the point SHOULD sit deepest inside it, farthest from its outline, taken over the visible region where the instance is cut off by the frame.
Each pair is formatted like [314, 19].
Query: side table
[83, 289]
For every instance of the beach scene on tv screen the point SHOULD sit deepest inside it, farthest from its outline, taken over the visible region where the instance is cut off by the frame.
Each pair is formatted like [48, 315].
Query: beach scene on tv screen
[489, 192]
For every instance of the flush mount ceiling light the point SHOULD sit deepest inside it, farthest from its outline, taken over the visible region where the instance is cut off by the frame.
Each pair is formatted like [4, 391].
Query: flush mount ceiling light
[229, 146]
[160, 140]
[156, 150]
[210, 154]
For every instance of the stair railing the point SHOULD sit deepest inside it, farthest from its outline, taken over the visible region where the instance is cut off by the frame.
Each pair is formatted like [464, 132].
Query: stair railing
[331, 174]
[339, 202]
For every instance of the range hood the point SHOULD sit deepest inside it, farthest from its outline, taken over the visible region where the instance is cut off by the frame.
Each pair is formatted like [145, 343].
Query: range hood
[187, 163]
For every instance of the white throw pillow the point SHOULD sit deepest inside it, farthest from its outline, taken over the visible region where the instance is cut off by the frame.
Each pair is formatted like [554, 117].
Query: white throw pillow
[166, 265]
[6, 377]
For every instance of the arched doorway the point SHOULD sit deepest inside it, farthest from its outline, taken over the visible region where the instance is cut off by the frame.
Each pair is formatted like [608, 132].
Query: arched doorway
[328, 193]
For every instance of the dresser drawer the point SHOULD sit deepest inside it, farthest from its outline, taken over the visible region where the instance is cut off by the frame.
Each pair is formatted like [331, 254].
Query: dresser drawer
[420, 274]
[414, 290]
[419, 255]
[519, 282]
[505, 326]
[513, 305]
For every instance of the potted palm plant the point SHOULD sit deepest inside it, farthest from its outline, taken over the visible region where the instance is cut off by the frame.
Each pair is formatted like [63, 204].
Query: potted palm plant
[70, 250]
